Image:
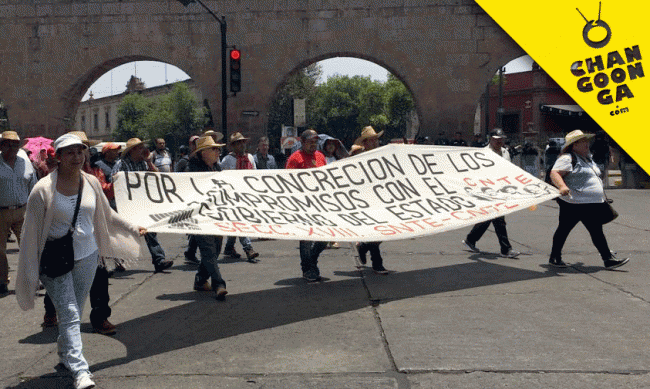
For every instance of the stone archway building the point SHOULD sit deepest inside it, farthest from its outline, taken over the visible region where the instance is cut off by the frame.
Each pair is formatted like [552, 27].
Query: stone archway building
[445, 51]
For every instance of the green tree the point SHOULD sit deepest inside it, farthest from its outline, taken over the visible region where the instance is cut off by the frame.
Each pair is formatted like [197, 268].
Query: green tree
[399, 105]
[174, 116]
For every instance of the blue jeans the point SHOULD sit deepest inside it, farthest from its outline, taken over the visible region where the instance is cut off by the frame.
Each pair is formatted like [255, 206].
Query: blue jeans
[209, 247]
[68, 293]
[245, 243]
[156, 250]
[309, 252]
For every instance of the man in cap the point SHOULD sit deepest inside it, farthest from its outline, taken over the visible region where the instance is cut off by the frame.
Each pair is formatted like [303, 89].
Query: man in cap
[239, 159]
[110, 155]
[17, 179]
[496, 145]
[305, 158]
[136, 158]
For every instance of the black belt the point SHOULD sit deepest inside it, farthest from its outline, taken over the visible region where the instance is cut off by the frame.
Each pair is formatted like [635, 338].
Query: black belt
[13, 207]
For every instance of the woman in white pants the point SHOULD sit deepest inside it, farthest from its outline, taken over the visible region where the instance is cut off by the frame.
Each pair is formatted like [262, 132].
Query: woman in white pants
[49, 215]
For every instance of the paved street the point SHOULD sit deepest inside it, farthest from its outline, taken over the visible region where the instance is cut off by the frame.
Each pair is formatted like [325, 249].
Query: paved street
[446, 318]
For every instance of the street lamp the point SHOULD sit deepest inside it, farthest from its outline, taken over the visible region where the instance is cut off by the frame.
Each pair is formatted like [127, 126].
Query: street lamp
[224, 47]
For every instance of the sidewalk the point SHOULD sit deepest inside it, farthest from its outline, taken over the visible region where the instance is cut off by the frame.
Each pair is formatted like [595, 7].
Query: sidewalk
[446, 318]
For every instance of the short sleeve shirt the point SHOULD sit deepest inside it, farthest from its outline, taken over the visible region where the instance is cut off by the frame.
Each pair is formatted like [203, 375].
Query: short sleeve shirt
[583, 180]
[302, 160]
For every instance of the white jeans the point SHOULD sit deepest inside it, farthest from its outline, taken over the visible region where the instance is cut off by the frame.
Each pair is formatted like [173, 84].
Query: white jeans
[68, 293]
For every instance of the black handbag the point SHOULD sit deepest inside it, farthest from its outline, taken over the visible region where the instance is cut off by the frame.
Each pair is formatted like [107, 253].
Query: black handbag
[57, 257]
[609, 213]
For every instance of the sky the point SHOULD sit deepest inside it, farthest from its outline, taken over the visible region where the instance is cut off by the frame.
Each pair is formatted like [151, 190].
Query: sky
[159, 73]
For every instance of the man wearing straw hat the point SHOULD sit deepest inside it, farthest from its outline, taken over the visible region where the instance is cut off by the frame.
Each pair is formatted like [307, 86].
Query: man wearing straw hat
[496, 145]
[239, 159]
[17, 178]
[136, 158]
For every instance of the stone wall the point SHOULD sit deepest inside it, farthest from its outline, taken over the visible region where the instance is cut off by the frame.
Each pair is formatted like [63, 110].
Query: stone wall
[445, 51]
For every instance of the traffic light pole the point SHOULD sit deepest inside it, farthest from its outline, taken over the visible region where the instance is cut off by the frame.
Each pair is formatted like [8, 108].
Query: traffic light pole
[224, 92]
[224, 48]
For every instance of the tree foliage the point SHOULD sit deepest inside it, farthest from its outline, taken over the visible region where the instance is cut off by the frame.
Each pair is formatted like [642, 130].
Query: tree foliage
[174, 116]
[343, 105]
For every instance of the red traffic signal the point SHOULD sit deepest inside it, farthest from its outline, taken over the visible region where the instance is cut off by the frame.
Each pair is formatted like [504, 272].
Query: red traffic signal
[235, 71]
[235, 54]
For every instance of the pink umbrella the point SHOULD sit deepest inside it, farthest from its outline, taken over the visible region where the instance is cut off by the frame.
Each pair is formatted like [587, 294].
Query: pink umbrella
[35, 145]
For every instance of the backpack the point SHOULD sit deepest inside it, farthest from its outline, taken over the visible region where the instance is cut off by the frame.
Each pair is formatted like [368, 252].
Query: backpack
[574, 162]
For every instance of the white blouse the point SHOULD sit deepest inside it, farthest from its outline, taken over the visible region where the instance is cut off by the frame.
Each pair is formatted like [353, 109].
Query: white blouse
[63, 210]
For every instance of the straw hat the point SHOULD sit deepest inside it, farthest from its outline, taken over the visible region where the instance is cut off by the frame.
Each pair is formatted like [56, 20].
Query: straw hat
[84, 138]
[356, 149]
[131, 143]
[12, 135]
[236, 137]
[110, 146]
[368, 133]
[573, 137]
[206, 142]
[218, 135]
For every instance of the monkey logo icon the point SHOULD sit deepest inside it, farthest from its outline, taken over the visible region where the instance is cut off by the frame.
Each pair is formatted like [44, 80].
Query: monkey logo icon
[596, 33]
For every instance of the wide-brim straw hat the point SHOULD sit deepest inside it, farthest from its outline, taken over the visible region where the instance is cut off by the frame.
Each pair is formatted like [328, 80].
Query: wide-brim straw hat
[236, 137]
[84, 138]
[131, 143]
[12, 135]
[356, 149]
[368, 133]
[206, 142]
[218, 135]
[573, 137]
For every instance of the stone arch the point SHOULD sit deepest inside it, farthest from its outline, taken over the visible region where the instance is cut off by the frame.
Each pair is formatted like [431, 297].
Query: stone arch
[72, 96]
[324, 56]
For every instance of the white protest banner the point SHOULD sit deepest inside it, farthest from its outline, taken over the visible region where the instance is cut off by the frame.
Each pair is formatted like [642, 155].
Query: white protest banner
[393, 192]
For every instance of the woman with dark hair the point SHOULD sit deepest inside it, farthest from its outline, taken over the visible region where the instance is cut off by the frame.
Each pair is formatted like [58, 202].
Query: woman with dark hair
[583, 198]
[206, 159]
[97, 232]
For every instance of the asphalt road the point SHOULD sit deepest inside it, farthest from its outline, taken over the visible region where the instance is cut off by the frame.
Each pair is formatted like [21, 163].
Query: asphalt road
[445, 318]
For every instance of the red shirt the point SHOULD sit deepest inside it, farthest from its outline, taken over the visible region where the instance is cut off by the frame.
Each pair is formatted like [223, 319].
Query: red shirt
[302, 160]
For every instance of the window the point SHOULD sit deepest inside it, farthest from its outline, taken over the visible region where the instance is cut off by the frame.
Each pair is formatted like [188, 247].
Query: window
[83, 123]
[96, 121]
[108, 118]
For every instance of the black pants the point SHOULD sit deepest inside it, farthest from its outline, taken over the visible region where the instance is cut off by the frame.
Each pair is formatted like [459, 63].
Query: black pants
[499, 227]
[99, 299]
[570, 215]
[375, 255]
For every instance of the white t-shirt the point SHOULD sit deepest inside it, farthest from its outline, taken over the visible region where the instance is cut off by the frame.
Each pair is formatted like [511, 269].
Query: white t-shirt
[583, 180]
[83, 237]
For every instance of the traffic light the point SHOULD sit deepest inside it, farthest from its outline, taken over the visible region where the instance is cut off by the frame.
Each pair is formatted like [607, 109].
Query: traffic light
[235, 70]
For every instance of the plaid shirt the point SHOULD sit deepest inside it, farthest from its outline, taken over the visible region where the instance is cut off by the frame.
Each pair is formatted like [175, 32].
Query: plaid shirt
[126, 164]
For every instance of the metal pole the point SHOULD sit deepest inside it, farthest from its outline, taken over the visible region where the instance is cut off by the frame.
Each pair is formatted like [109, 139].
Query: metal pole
[224, 92]
[224, 48]
[500, 109]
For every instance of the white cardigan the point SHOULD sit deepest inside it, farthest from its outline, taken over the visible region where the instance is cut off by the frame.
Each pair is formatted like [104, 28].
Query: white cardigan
[115, 237]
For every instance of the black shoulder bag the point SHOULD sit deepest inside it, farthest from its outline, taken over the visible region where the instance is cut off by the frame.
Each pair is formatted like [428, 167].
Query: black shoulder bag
[57, 257]
[608, 213]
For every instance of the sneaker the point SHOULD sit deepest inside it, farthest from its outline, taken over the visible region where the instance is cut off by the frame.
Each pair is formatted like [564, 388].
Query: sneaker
[106, 328]
[119, 267]
[511, 254]
[251, 255]
[380, 270]
[202, 286]
[231, 253]
[163, 265]
[83, 381]
[221, 293]
[557, 262]
[311, 276]
[613, 263]
[471, 246]
[49, 321]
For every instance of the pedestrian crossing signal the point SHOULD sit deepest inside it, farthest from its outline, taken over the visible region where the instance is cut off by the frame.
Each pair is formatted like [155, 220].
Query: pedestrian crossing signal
[235, 70]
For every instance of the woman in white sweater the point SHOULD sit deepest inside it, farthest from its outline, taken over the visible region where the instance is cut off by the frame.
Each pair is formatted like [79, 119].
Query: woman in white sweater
[49, 215]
